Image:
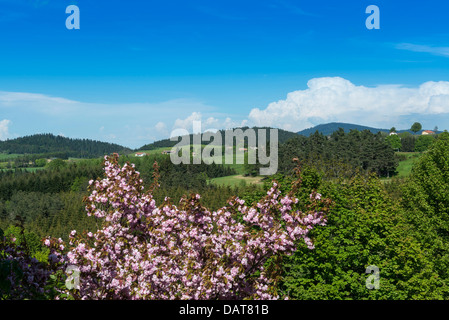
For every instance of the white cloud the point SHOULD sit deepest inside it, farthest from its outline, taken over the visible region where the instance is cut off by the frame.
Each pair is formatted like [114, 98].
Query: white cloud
[337, 99]
[130, 124]
[62, 107]
[160, 126]
[210, 124]
[4, 134]
[439, 51]
[211, 121]
[37, 102]
[161, 130]
[187, 123]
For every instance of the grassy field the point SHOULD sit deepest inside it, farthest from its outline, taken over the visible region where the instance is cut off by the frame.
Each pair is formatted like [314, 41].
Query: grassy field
[4, 156]
[405, 167]
[155, 151]
[236, 180]
[238, 157]
[150, 152]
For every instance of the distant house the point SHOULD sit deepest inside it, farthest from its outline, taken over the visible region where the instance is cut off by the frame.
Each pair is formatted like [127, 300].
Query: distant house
[167, 152]
[243, 149]
[425, 132]
[140, 154]
[392, 133]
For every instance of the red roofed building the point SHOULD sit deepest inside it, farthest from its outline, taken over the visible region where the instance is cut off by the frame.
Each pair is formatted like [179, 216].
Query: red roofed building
[140, 154]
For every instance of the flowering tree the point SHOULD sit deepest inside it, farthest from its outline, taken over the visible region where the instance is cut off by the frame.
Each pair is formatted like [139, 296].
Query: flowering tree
[183, 251]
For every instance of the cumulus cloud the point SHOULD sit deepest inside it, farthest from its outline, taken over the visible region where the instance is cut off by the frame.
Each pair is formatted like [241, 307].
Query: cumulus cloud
[194, 123]
[187, 123]
[161, 129]
[334, 99]
[160, 126]
[4, 134]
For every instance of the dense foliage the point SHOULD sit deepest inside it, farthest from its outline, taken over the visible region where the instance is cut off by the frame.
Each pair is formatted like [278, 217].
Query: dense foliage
[361, 150]
[422, 143]
[49, 201]
[52, 180]
[365, 228]
[426, 200]
[183, 175]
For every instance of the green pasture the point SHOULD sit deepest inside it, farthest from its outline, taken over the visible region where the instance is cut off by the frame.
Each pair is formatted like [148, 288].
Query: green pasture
[236, 180]
[5, 156]
[405, 167]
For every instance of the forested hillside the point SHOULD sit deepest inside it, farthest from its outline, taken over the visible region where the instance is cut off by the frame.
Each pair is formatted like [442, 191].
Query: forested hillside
[364, 151]
[41, 199]
[329, 128]
[283, 136]
[58, 146]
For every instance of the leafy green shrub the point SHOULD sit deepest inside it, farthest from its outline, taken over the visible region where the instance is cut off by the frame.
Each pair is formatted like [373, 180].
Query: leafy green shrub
[426, 201]
[424, 142]
[365, 228]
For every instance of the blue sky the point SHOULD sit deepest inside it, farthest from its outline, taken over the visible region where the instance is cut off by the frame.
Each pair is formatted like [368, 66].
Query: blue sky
[136, 70]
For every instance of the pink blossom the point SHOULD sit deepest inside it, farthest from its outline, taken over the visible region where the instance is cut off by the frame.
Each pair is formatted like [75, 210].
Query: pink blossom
[182, 251]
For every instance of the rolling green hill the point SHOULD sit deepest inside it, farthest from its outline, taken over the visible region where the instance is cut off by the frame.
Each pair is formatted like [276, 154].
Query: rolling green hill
[329, 128]
[283, 135]
[58, 146]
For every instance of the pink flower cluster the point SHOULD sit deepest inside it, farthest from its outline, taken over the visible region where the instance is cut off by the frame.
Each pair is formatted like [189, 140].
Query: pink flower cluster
[183, 251]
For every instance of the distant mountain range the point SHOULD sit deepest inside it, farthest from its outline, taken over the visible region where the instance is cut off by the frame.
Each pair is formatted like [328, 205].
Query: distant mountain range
[58, 146]
[329, 128]
[283, 135]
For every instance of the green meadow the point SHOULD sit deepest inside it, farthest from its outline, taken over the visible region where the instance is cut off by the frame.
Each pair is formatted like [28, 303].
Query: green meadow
[405, 167]
[236, 180]
[5, 156]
